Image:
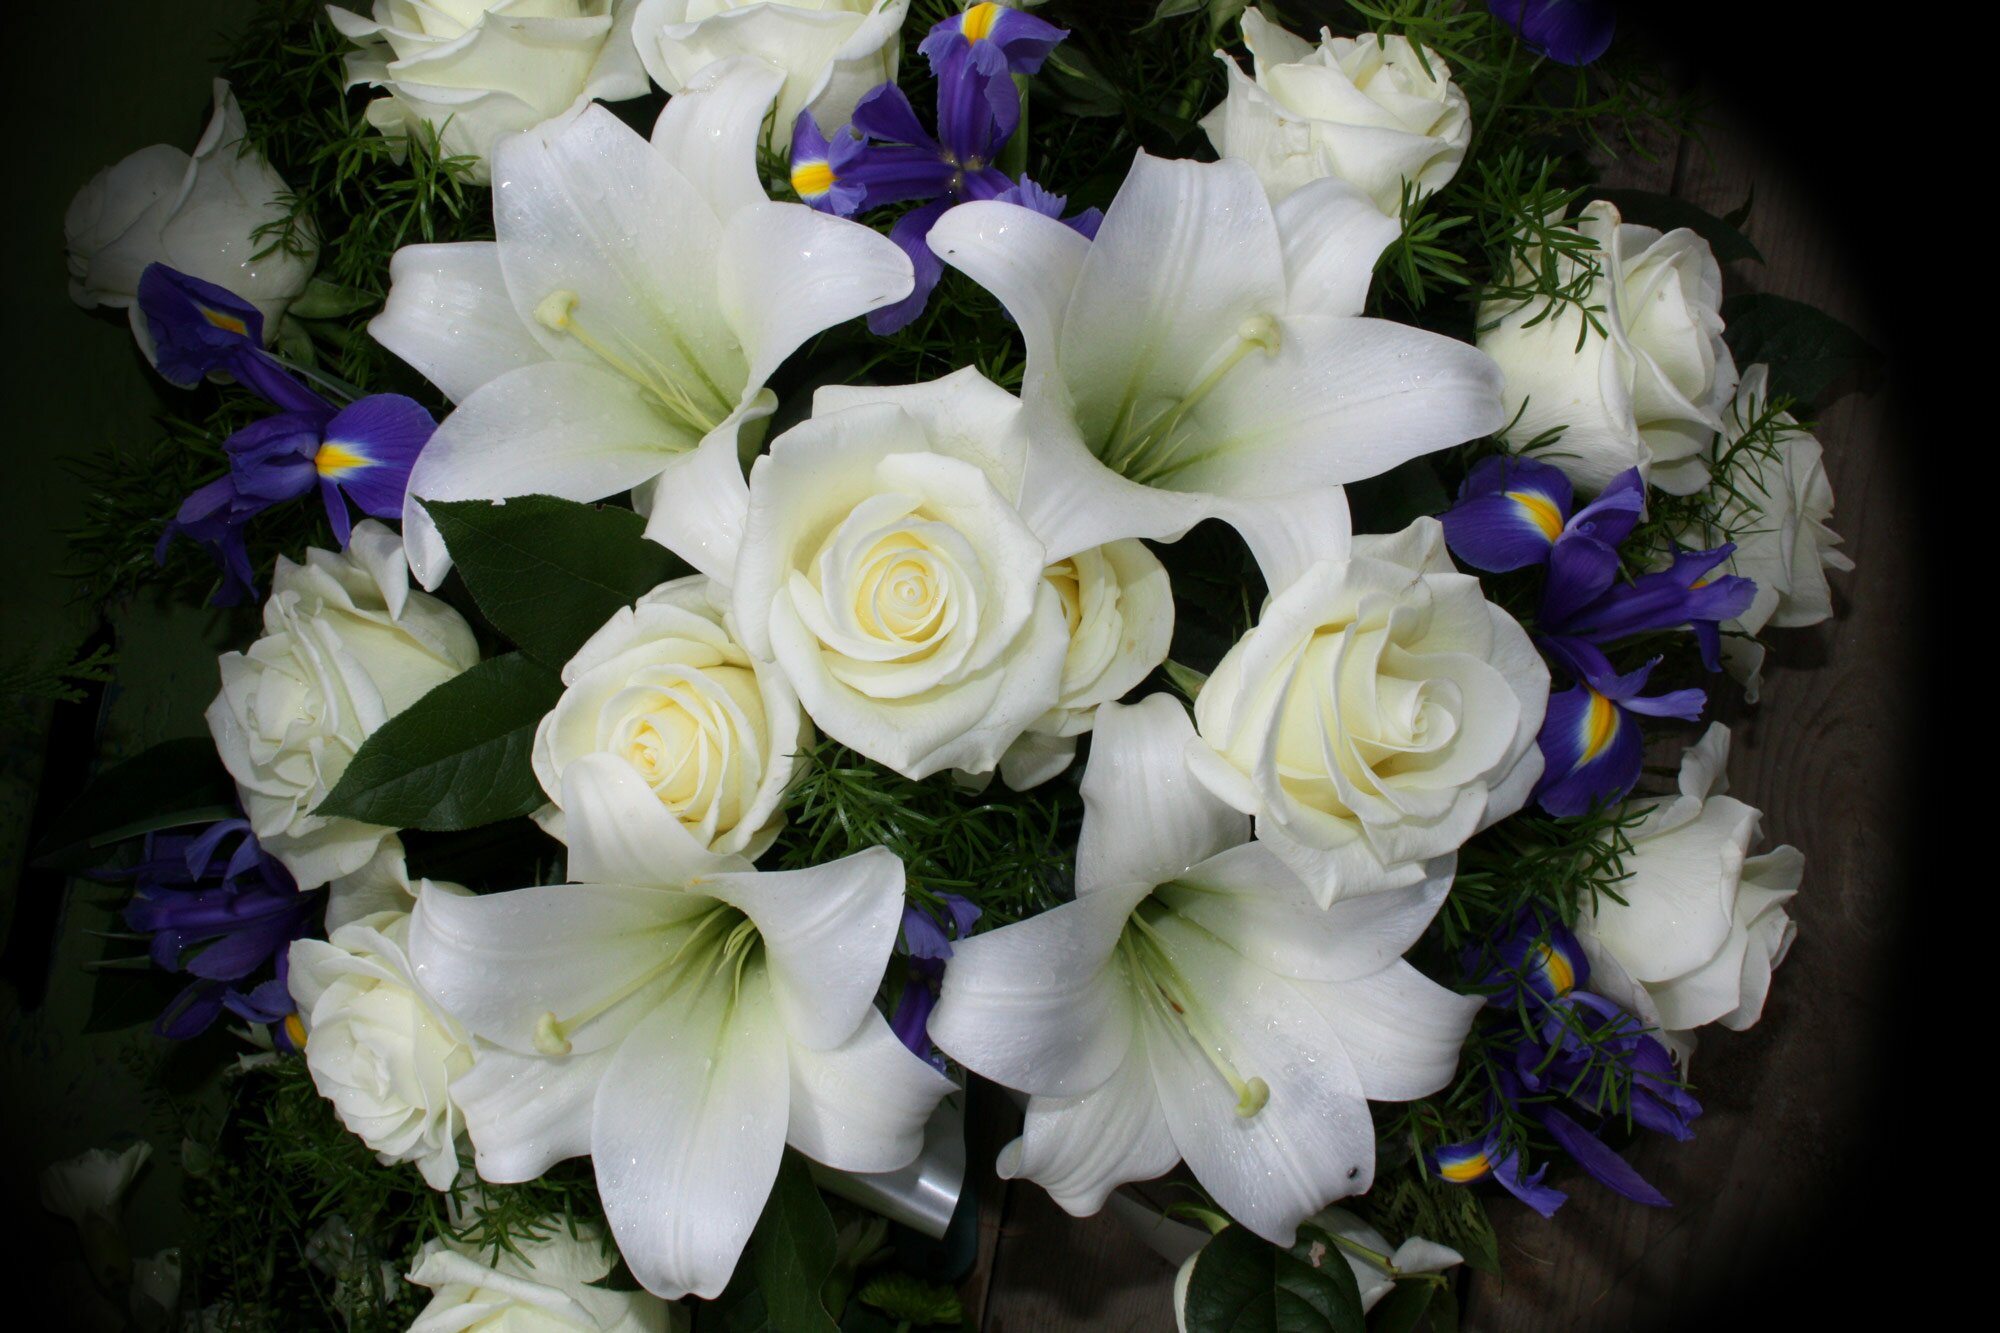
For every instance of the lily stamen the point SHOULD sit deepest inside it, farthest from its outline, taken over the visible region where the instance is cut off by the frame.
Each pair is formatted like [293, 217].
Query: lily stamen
[1148, 956]
[1144, 456]
[552, 1034]
[556, 312]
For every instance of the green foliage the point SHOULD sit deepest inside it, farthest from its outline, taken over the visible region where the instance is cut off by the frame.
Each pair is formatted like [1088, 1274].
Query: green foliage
[1009, 852]
[547, 572]
[1407, 1202]
[456, 758]
[1244, 1284]
[53, 672]
[1810, 352]
[360, 195]
[173, 783]
[292, 1222]
[911, 1301]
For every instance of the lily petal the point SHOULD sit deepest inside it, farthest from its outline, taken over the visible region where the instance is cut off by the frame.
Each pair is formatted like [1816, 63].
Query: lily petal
[1042, 1005]
[1079, 1149]
[448, 315]
[525, 1113]
[862, 1105]
[1402, 1030]
[501, 962]
[555, 428]
[1146, 818]
[1030, 262]
[687, 1133]
[828, 932]
[619, 833]
[1310, 1143]
[713, 126]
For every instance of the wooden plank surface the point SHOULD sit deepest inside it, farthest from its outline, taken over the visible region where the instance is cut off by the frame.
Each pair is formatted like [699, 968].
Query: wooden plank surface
[1786, 1106]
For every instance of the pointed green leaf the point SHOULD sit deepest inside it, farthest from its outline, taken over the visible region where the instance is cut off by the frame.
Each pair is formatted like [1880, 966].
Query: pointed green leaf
[1807, 350]
[456, 758]
[548, 572]
[174, 783]
[1402, 1310]
[1244, 1284]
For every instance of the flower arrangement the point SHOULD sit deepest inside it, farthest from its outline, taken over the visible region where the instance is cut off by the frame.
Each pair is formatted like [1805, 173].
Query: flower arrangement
[832, 621]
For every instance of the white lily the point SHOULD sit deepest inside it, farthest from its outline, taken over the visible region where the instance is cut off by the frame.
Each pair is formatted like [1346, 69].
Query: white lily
[1195, 1002]
[680, 1018]
[621, 327]
[1209, 349]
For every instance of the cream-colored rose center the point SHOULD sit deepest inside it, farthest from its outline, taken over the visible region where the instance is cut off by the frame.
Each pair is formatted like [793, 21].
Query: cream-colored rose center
[1359, 714]
[902, 592]
[695, 737]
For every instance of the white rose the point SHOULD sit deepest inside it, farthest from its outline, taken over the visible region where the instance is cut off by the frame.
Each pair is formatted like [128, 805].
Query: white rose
[347, 646]
[93, 1183]
[831, 51]
[1776, 513]
[478, 69]
[378, 1047]
[665, 686]
[1374, 111]
[542, 1286]
[1703, 923]
[1646, 392]
[1379, 713]
[885, 569]
[198, 214]
[1119, 606]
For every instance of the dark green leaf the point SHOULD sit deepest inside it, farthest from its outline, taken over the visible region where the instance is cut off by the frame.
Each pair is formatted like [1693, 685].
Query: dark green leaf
[1243, 1284]
[1666, 213]
[1403, 1308]
[792, 1251]
[1072, 81]
[1392, 501]
[1444, 1311]
[860, 1319]
[548, 572]
[1739, 215]
[456, 758]
[176, 782]
[1807, 350]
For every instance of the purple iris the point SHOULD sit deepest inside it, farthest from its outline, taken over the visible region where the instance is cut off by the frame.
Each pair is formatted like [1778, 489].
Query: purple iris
[219, 918]
[1560, 1046]
[362, 452]
[1569, 32]
[928, 946]
[886, 156]
[1592, 749]
[1514, 513]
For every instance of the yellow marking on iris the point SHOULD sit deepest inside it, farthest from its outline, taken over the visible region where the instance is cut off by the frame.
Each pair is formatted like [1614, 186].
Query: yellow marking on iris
[978, 21]
[227, 323]
[1562, 977]
[1541, 512]
[296, 1031]
[1471, 1168]
[1600, 724]
[335, 459]
[812, 179]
